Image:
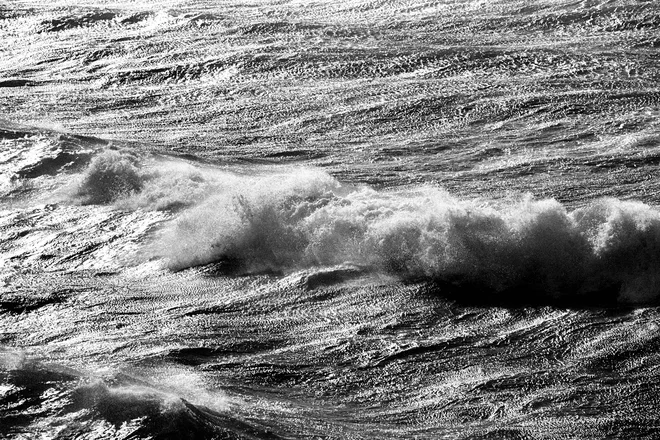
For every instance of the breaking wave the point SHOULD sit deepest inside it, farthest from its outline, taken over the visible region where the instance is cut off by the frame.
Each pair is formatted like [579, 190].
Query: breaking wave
[282, 221]
[308, 219]
[129, 182]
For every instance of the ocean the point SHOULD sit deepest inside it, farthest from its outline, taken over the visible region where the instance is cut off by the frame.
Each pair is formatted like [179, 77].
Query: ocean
[359, 219]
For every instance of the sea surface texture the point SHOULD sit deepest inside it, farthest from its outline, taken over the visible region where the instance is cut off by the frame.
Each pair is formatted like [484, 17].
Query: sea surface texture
[378, 219]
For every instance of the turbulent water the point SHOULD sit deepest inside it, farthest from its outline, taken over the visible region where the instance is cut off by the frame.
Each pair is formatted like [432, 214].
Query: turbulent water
[356, 219]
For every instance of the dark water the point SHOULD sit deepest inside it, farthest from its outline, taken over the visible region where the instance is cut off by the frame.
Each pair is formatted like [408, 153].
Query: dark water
[365, 219]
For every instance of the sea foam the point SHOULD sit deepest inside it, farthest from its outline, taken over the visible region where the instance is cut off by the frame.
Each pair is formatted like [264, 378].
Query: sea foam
[127, 181]
[289, 219]
[282, 223]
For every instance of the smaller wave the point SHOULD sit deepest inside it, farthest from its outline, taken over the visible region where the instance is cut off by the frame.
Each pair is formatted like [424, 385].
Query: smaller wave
[17, 82]
[110, 175]
[33, 153]
[59, 161]
[21, 302]
[131, 182]
[332, 275]
[160, 415]
[67, 22]
[39, 398]
[46, 165]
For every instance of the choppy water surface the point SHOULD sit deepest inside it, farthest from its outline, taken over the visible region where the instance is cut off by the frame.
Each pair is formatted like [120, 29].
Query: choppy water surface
[365, 219]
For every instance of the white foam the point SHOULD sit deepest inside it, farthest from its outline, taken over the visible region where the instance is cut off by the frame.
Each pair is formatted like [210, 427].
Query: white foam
[296, 219]
[306, 219]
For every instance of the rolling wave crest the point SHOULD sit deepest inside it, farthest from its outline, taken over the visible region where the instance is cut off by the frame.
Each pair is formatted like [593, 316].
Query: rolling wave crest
[308, 219]
[284, 220]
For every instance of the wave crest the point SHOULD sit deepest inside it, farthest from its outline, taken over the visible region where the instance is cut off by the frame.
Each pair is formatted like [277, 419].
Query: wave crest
[282, 223]
[301, 219]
